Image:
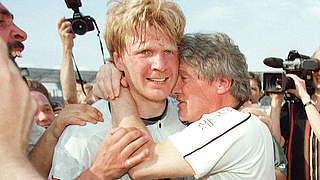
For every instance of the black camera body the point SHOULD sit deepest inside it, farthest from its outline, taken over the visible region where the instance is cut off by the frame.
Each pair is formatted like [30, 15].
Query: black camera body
[80, 24]
[297, 64]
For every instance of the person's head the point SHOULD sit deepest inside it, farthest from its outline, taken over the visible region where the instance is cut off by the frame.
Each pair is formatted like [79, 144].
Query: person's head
[38, 86]
[39, 92]
[213, 74]
[255, 84]
[142, 38]
[316, 74]
[10, 33]
[45, 115]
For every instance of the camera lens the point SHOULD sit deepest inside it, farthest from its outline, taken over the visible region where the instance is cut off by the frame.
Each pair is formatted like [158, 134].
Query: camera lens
[79, 26]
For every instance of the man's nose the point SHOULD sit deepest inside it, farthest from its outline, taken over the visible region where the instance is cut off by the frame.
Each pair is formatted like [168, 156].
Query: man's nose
[158, 62]
[18, 34]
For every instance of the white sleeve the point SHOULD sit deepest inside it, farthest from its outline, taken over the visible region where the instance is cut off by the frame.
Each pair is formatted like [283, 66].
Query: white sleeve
[204, 143]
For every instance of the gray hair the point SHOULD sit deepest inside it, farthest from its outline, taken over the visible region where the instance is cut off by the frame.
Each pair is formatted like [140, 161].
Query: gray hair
[216, 56]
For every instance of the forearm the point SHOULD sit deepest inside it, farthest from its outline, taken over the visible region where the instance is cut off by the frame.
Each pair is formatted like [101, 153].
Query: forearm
[313, 115]
[124, 112]
[275, 118]
[67, 78]
[42, 154]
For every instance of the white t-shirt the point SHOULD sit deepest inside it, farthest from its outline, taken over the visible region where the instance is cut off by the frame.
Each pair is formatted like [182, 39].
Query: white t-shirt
[78, 145]
[35, 134]
[227, 145]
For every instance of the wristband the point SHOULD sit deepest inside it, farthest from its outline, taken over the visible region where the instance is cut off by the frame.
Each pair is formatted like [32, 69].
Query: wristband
[308, 103]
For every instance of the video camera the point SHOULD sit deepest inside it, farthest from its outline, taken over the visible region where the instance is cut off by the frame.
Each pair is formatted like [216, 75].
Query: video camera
[80, 24]
[297, 64]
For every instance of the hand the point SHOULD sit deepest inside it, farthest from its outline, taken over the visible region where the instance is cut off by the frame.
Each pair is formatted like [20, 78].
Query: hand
[276, 99]
[301, 90]
[259, 112]
[114, 155]
[75, 114]
[66, 34]
[107, 84]
[17, 107]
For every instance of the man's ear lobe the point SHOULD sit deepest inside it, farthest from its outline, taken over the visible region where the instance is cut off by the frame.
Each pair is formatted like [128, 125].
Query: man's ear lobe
[118, 61]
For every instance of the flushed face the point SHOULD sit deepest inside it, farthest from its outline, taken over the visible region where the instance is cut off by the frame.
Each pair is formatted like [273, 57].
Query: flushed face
[151, 67]
[196, 96]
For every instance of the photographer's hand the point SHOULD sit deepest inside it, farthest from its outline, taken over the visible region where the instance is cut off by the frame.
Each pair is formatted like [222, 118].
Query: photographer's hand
[301, 90]
[66, 34]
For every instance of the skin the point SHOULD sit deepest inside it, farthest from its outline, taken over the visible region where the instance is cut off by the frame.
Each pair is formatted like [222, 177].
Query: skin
[151, 70]
[18, 107]
[12, 35]
[67, 76]
[255, 92]
[45, 115]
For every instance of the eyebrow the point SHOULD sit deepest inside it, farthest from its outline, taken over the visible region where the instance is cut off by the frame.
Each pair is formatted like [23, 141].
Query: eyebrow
[6, 13]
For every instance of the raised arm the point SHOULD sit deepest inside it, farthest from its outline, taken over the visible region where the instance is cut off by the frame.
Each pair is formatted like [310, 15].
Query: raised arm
[67, 76]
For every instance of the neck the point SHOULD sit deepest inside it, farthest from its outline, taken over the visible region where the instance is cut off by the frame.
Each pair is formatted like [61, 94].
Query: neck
[225, 101]
[147, 108]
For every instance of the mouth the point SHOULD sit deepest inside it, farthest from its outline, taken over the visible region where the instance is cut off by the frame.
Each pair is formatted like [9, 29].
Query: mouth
[158, 80]
[15, 53]
[15, 49]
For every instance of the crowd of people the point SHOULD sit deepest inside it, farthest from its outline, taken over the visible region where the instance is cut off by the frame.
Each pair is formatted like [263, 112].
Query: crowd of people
[167, 105]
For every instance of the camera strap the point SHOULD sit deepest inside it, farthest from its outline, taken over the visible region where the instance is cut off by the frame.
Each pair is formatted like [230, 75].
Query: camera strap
[101, 47]
[80, 79]
[102, 52]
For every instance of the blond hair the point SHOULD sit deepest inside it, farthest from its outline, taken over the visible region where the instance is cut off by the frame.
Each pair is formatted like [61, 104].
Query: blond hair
[135, 17]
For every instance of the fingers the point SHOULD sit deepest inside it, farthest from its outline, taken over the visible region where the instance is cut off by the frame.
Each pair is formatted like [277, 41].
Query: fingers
[60, 21]
[137, 159]
[79, 114]
[134, 145]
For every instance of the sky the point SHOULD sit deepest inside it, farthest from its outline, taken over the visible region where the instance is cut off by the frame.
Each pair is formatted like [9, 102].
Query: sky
[261, 28]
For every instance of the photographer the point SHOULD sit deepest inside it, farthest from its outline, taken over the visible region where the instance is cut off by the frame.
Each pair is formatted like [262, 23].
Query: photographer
[299, 121]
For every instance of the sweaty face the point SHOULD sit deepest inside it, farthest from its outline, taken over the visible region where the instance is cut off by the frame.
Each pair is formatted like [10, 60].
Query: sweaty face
[255, 92]
[11, 33]
[151, 67]
[44, 116]
[196, 96]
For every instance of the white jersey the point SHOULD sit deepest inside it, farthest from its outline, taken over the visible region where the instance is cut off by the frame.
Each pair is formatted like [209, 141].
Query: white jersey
[78, 145]
[227, 145]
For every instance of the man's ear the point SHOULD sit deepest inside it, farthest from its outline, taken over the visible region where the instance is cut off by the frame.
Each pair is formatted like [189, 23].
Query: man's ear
[118, 61]
[223, 85]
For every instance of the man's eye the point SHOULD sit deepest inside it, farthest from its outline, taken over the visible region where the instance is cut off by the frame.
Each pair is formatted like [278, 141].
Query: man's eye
[168, 52]
[145, 52]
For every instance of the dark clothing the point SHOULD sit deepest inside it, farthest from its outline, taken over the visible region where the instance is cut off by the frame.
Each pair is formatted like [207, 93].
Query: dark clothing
[301, 146]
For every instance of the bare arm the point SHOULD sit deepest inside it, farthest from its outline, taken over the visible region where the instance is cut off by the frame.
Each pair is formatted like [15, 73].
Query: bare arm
[77, 114]
[276, 104]
[16, 111]
[164, 159]
[67, 76]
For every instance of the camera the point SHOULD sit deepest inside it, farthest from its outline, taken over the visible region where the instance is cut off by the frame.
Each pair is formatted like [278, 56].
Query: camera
[80, 24]
[297, 64]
